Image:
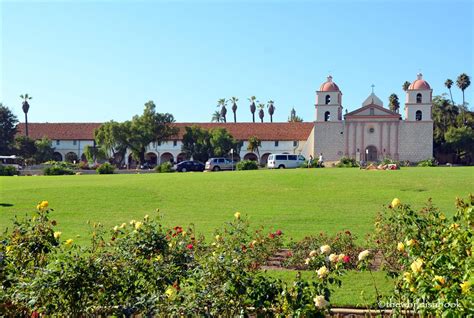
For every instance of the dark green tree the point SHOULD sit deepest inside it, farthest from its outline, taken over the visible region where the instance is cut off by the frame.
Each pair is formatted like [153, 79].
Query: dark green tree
[261, 113]
[462, 140]
[253, 108]
[216, 117]
[234, 101]
[406, 85]
[293, 117]
[271, 109]
[44, 150]
[221, 103]
[393, 103]
[8, 122]
[449, 83]
[463, 82]
[254, 145]
[25, 147]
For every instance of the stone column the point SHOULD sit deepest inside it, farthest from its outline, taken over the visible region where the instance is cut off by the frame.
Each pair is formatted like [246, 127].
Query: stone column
[354, 141]
[381, 140]
[346, 131]
[389, 142]
[396, 140]
[362, 146]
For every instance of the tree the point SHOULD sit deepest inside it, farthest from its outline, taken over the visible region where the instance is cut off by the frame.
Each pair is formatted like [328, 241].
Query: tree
[216, 117]
[44, 150]
[393, 103]
[261, 113]
[253, 108]
[271, 109]
[406, 85]
[449, 84]
[137, 134]
[25, 147]
[234, 101]
[202, 144]
[462, 140]
[26, 108]
[463, 82]
[113, 140]
[94, 153]
[221, 103]
[253, 145]
[8, 122]
[293, 118]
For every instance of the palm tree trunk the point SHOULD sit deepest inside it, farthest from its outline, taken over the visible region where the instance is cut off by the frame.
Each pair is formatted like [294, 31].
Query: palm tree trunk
[462, 110]
[235, 117]
[271, 118]
[26, 124]
[451, 94]
[253, 117]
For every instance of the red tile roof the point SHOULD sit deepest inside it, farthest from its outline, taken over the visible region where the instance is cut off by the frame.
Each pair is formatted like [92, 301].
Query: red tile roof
[240, 131]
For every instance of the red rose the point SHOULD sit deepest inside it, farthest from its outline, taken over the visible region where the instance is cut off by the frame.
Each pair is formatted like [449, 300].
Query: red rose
[189, 246]
[278, 232]
[346, 259]
[271, 235]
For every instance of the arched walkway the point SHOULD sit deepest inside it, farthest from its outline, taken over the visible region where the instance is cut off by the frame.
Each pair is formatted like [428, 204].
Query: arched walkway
[251, 156]
[371, 153]
[264, 158]
[181, 157]
[57, 156]
[166, 157]
[71, 157]
[151, 158]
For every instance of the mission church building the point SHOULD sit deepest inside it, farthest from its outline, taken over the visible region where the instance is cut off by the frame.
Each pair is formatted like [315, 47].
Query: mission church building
[369, 133]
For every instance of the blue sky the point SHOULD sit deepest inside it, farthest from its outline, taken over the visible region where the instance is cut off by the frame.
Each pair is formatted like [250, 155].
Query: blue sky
[93, 61]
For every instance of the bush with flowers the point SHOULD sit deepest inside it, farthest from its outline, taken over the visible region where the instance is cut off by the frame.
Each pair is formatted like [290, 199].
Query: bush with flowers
[431, 256]
[341, 243]
[140, 267]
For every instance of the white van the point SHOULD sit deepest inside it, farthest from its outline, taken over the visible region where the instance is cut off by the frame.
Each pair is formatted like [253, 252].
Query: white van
[282, 161]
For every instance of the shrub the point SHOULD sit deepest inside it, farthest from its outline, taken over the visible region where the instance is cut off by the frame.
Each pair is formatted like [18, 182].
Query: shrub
[8, 171]
[105, 168]
[428, 163]
[83, 165]
[247, 165]
[387, 161]
[347, 162]
[57, 171]
[164, 167]
[430, 255]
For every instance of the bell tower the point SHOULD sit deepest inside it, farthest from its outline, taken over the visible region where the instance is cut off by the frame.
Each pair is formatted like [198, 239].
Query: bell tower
[328, 102]
[418, 100]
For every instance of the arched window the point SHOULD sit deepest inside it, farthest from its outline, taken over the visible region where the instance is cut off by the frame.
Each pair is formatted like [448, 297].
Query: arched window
[418, 98]
[327, 116]
[418, 115]
[328, 99]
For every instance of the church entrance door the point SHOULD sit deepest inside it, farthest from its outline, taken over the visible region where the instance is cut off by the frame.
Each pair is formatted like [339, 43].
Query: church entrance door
[371, 153]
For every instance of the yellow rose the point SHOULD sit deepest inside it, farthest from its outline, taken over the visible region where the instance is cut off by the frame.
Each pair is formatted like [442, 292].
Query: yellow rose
[170, 293]
[184, 233]
[395, 203]
[333, 258]
[465, 286]
[312, 253]
[146, 217]
[437, 287]
[8, 249]
[320, 302]
[44, 204]
[306, 261]
[322, 272]
[454, 226]
[412, 289]
[416, 265]
[138, 225]
[400, 247]
[439, 279]
[68, 243]
[218, 237]
[407, 277]
[237, 215]
[442, 217]
[123, 225]
[116, 228]
[363, 255]
[411, 242]
[57, 234]
[132, 222]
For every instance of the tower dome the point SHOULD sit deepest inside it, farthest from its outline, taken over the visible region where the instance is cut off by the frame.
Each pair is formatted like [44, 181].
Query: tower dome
[419, 83]
[329, 86]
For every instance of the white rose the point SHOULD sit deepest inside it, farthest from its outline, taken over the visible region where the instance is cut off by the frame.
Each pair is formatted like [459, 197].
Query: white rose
[325, 249]
[312, 253]
[323, 272]
[363, 255]
[306, 261]
[320, 302]
[333, 258]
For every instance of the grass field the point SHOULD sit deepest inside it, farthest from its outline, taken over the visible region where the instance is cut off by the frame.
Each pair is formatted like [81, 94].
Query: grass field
[299, 201]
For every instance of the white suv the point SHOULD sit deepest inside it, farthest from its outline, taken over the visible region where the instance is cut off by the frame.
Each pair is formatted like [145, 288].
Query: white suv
[282, 161]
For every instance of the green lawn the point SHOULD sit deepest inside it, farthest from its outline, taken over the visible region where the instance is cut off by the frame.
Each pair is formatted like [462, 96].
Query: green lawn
[358, 288]
[299, 201]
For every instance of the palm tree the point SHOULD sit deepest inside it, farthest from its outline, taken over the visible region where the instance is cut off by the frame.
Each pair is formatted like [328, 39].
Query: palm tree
[216, 117]
[393, 103]
[222, 103]
[448, 84]
[463, 82]
[261, 113]
[234, 101]
[252, 100]
[271, 109]
[254, 144]
[406, 85]
[26, 108]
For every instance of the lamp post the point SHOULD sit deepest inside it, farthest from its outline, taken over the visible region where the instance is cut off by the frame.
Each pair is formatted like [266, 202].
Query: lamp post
[367, 154]
[232, 156]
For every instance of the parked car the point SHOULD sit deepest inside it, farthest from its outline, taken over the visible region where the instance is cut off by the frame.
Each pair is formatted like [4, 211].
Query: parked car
[216, 164]
[189, 165]
[282, 161]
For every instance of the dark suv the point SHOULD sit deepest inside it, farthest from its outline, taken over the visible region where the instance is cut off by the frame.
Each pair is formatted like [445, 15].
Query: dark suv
[188, 165]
